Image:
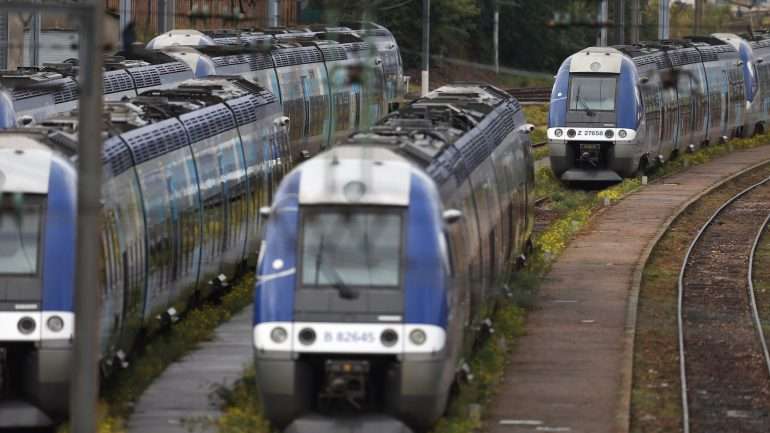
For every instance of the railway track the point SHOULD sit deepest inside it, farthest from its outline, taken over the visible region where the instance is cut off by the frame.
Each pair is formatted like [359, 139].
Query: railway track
[531, 94]
[724, 362]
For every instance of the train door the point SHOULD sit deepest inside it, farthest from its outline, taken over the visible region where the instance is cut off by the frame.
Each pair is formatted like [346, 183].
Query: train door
[685, 110]
[724, 99]
[357, 106]
[700, 106]
[308, 119]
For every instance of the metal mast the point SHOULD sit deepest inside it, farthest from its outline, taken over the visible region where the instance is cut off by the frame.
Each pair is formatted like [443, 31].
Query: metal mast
[424, 81]
[663, 20]
[636, 18]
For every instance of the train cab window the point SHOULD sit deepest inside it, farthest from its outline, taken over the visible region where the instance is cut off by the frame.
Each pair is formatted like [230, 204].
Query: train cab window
[21, 218]
[592, 93]
[360, 248]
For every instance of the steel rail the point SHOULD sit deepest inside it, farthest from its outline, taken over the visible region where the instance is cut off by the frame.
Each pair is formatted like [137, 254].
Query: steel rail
[752, 298]
[680, 295]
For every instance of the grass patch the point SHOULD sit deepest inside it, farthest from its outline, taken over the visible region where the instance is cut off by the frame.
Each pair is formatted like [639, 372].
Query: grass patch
[541, 152]
[124, 387]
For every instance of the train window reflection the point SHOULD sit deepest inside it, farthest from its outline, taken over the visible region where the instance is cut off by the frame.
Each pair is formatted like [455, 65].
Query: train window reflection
[592, 93]
[361, 248]
[20, 218]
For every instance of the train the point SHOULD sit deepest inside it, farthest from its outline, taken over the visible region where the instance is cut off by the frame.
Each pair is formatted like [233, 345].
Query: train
[329, 81]
[186, 169]
[194, 148]
[381, 255]
[617, 111]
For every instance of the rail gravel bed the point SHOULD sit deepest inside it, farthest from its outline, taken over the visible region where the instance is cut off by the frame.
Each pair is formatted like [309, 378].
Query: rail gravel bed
[725, 377]
[572, 371]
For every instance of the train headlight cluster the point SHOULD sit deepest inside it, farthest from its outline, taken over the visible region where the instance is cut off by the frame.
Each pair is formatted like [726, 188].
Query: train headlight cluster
[609, 134]
[55, 324]
[418, 337]
[622, 133]
[307, 336]
[389, 338]
[279, 335]
[558, 132]
[27, 325]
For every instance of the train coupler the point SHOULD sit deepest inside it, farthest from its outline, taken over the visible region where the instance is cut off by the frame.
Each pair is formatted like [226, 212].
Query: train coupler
[346, 380]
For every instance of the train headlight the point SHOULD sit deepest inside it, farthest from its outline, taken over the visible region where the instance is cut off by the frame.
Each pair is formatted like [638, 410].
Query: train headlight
[27, 325]
[55, 324]
[389, 338]
[418, 337]
[571, 133]
[609, 134]
[307, 336]
[558, 132]
[622, 133]
[279, 335]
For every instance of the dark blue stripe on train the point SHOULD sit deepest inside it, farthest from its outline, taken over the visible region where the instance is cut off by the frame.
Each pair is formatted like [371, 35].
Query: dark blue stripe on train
[629, 104]
[425, 280]
[274, 296]
[59, 253]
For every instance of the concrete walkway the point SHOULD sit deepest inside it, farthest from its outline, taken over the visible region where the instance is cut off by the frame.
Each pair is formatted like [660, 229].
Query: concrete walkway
[183, 391]
[571, 372]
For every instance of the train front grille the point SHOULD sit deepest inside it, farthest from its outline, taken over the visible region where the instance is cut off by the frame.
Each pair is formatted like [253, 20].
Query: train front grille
[591, 155]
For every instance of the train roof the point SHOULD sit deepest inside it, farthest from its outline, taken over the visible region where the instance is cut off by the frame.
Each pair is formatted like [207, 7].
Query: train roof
[428, 125]
[160, 121]
[356, 175]
[671, 53]
[120, 75]
[25, 162]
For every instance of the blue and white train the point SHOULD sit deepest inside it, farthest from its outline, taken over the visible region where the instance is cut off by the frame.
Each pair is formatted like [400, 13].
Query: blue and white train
[185, 171]
[618, 110]
[381, 254]
[328, 82]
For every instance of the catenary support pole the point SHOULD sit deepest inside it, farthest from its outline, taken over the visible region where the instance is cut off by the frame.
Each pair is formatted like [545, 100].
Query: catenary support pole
[125, 12]
[496, 37]
[602, 19]
[636, 19]
[698, 16]
[425, 78]
[272, 13]
[620, 22]
[663, 20]
[85, 379]
[34, 40]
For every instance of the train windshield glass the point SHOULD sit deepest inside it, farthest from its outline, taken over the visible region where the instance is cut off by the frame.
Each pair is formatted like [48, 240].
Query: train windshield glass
[592, 93]
[343, 248]
[20, 227]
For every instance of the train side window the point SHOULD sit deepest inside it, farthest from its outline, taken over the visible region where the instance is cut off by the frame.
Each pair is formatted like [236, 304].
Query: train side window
[449, 254]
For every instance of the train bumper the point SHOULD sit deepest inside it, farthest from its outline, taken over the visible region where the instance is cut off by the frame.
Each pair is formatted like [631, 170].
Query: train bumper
[47, 380]
[418, 391]
[36, 359]
[415, 390]
[352, 362]
[616, 161]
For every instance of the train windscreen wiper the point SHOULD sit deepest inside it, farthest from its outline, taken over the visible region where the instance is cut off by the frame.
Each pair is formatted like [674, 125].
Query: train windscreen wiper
[332, 275]
[580, 101]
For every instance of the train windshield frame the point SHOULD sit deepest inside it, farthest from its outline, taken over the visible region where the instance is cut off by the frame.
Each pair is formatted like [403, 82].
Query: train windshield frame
[351, 246]
[22, 219]
[593, 92]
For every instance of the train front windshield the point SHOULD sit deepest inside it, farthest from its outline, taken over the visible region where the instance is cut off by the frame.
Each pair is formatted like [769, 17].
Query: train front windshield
[20, 229]
[360, 248]
[592, 93]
